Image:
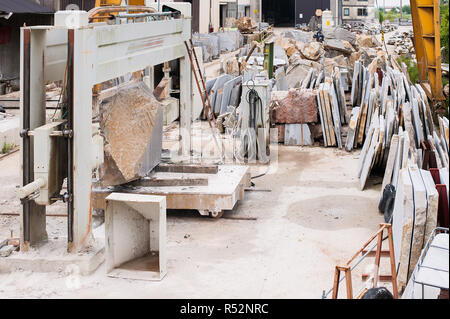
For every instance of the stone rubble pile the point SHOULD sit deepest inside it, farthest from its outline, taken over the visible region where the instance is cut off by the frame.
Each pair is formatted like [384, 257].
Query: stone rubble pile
[389, 27]
[362, 27]
[393, 120]
[403, 43]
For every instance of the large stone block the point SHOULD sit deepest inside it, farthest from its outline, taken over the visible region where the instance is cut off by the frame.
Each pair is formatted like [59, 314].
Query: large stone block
[311, 50]
[341, 34]
[367, 41]
[351, 129]
[419, 220]
[245, 24]
[131, 123]
[294, 106]
[432, 204]
[339, 45]
[402, 226]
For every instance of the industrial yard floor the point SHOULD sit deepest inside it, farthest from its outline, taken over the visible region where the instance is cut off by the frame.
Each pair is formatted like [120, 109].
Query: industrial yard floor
[314, 217]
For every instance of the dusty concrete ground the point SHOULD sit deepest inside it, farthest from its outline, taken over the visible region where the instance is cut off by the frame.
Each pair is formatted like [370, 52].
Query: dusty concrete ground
[313, 218]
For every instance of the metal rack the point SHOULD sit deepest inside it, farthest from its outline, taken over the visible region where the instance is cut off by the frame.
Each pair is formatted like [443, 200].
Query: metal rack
[420, 263]
[348, 268]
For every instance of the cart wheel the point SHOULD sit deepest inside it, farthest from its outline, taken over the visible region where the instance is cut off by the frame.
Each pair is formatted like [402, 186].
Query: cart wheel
[216, 214]
[204, 212]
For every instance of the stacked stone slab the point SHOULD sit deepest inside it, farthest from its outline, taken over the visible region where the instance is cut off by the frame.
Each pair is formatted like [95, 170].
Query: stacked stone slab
[405, 123]
[414, 219]
[332, 109]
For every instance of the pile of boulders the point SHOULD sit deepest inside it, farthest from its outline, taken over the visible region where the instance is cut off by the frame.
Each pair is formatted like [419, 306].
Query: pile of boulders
[361, 27]
[246, 25]
[389, 27]
[403, 43]
[341, 48]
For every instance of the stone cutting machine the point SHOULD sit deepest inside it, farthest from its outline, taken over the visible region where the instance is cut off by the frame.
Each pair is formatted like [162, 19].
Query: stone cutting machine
[67, 149]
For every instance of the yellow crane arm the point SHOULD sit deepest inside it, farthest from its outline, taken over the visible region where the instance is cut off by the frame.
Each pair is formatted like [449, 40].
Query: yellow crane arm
[426, 24]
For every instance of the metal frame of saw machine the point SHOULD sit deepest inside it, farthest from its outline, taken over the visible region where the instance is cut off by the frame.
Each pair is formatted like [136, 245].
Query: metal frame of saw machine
[90, 54]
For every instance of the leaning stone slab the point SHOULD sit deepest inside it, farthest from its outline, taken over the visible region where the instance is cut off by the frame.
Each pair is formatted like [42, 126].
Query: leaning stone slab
[393, 149]
[369, 160]
[370, 139]
[398, 158]
[336, 114]
[293, 135]
[217, 92]
[322, 121]
[420, 216]
[341, 34]
[351, 129]
[402, 226]
[443, 173]
[432, 204]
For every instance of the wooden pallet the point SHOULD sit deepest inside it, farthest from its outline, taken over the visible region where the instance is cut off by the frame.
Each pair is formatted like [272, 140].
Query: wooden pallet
[208, 189]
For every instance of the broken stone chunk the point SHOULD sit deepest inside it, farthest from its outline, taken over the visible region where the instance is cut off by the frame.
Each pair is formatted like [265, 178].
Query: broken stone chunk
[339, 45]
[245, 24]
[131, 123]
[367, 41]
[162, 91]
[311, 50]
[294, 106]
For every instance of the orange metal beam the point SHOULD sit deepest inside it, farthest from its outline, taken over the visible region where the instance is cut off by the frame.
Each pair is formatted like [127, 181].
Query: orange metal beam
[426, 24]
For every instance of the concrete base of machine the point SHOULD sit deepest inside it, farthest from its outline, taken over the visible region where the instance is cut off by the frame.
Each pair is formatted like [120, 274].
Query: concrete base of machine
[52, 256]
[144, 268]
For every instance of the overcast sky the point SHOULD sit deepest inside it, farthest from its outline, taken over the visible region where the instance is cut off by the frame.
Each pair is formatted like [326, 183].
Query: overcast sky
[390, 3]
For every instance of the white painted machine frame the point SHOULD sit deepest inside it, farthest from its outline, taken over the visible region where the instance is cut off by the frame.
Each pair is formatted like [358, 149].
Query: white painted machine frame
[93, 54]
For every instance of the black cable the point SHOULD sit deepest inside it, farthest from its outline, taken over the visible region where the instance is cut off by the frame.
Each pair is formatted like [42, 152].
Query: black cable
[253, 99]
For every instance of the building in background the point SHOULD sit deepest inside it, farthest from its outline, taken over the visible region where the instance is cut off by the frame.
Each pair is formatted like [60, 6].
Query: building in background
[233, 9]
[357, 10]
[205, 14]
[210, 15]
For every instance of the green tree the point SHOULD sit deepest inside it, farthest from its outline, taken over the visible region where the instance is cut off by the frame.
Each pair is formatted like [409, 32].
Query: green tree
[407, 9]
[380, 15]
[444, 32]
